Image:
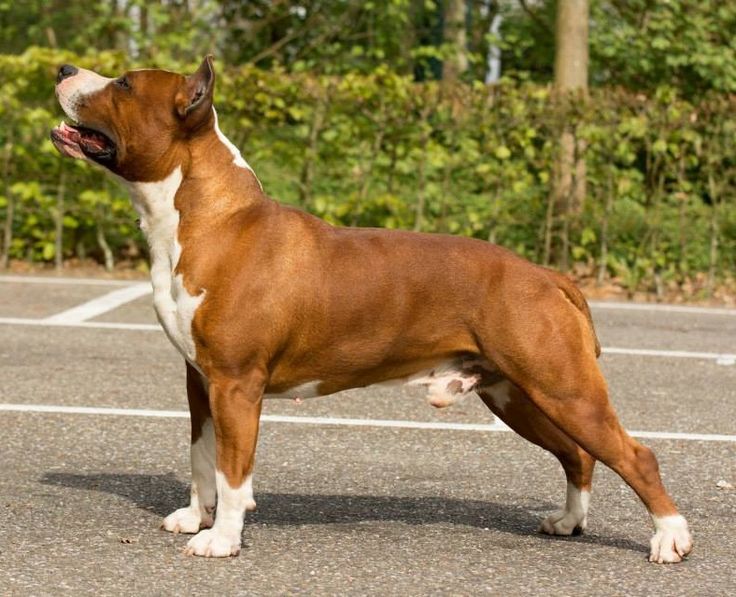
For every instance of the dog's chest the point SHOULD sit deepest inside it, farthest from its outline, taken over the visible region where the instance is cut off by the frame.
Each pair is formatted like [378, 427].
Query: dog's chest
[175, 307]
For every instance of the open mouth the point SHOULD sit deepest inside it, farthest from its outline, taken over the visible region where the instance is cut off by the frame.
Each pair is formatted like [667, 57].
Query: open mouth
[78, 141]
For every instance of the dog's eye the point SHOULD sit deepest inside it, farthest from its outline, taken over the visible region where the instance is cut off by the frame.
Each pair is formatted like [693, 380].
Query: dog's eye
[123, 83]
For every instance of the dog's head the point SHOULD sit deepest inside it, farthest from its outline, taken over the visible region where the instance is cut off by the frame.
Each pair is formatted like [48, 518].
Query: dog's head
[137, 124]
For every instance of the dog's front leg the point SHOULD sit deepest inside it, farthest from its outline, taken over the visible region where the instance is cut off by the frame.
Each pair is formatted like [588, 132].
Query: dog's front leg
[200, 511]
[236, 408]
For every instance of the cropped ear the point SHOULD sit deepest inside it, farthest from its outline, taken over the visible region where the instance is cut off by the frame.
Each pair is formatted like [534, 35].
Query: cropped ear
[194, 99]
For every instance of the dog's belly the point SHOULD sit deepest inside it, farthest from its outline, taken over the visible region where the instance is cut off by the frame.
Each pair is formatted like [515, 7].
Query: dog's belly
[309, 389]
[446, 383]
[452, 381]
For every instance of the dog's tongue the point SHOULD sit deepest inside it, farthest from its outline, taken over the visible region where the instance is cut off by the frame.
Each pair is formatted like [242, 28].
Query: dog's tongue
[71, 138]
[93, 140]
[67, 139]
[68, 133]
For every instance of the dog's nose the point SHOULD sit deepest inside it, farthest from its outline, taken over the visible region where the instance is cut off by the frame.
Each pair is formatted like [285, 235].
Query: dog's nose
[66, 71]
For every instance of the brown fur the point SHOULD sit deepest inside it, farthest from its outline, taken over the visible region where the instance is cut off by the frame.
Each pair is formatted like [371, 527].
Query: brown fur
[290, 299]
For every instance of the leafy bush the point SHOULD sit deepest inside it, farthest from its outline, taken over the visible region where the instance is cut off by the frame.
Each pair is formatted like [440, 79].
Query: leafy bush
[379, 149]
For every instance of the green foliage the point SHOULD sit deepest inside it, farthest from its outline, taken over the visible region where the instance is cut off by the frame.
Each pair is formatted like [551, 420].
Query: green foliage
[379, 149]
[687, 44]
[639, 44]
[149, 30]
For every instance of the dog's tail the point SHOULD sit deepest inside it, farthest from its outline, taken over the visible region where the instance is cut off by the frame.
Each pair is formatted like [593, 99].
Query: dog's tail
[576, 297]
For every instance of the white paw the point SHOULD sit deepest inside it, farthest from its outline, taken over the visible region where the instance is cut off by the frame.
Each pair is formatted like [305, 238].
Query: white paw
[563, 522]
[186, 520]
[212, 543]
[250, 505]
[672, 541]
[573, 518]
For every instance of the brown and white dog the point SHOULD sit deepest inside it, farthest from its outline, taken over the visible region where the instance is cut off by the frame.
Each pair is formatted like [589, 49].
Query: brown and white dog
[264, 300]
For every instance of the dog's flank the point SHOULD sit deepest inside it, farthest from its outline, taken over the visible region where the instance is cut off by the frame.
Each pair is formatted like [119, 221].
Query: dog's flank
[266, 300]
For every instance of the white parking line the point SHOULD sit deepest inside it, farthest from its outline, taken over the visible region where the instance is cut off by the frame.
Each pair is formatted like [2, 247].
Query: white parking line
[101, 304]
[335, 421]
[64, 280]
[94, 410]
[660, 307]
[723, 358]
[105, 325]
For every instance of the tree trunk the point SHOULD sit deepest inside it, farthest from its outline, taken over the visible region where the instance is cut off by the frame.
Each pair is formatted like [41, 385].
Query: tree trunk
[713, 256]
[9, 206]
[655, 224]
[367, 173]
[445, 193]
[549, 222]
[47, 10]
[571, 46]
[422, 166]
[105, 247]
[493, 59]
[495, 213]
[143, 22]
[571, 84]
[603, 262]
[682, 223]
[119, 35]
[393, 158]
[59, 221]
[455, 36]
[409, 40]
[312, 154]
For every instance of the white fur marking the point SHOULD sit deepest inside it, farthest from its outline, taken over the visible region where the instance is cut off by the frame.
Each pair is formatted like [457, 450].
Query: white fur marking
[223, 539]
[250, 502]
[671, 541]
[203, 471]
[203, 490]
[238, 159]
[500, 394]
[183, 520]
[72, 90]
[305, 390]
[573, 515]
[448, 382]
[175, 307]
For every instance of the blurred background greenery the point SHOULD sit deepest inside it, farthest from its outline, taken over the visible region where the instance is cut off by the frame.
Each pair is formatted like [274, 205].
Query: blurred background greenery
[448, 116]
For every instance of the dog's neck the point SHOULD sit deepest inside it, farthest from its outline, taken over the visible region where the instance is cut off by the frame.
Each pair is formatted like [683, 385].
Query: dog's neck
[196, 185]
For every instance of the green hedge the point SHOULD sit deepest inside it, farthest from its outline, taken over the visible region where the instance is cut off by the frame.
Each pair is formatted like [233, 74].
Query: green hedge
[382, 150]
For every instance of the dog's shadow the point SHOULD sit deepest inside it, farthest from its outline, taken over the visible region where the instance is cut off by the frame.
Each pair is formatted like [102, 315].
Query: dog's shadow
[161, 494]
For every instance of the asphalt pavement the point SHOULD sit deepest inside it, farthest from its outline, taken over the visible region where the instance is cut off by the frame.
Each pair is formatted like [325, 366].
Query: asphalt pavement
[384, 507]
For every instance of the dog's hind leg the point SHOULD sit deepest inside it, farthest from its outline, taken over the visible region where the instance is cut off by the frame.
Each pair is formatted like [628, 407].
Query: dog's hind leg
[554, 362]
[513, 407]
[201, 508]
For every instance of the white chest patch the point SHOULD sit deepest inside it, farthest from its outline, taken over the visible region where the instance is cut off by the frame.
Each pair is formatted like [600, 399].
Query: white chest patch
[175, 307]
